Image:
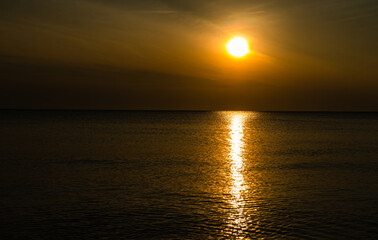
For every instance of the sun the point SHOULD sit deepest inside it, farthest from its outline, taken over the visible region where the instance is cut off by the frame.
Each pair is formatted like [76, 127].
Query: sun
[238, 47]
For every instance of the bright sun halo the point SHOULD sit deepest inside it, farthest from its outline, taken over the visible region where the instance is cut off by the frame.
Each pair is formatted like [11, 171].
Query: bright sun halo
[238, 47]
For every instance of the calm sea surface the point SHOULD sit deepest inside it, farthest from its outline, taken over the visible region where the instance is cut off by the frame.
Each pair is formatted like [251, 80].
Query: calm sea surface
[188, 175]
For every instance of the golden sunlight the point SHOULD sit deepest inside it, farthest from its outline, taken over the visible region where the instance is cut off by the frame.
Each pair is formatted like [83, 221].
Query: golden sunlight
[238, 47]
[238, 188]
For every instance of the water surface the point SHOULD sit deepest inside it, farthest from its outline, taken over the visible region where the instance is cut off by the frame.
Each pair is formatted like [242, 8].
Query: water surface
[188, 175]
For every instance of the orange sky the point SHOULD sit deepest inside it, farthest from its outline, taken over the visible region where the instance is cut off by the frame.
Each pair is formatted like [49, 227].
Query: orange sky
[97, 54]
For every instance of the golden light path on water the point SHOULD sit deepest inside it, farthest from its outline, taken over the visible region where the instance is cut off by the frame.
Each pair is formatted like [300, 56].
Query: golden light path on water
[237, 219]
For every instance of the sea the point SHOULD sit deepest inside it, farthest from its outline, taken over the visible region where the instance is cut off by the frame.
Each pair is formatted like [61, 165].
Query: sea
[188, 175]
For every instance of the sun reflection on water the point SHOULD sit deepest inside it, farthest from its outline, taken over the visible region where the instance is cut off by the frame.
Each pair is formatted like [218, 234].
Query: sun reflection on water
[237, 219]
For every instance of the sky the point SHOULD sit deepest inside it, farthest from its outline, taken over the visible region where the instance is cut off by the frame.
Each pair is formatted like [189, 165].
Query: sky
[170, 55]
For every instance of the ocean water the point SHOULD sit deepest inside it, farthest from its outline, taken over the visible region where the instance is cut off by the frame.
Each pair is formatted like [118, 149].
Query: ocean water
[188, 175]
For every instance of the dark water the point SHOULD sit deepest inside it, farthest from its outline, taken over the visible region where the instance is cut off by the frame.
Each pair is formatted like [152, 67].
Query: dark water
[188, 175]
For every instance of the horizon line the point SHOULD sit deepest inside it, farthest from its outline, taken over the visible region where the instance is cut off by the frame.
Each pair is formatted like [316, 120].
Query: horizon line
[186, 110]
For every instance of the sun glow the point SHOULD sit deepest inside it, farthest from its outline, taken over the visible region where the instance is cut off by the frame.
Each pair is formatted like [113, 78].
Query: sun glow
[238, 47]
